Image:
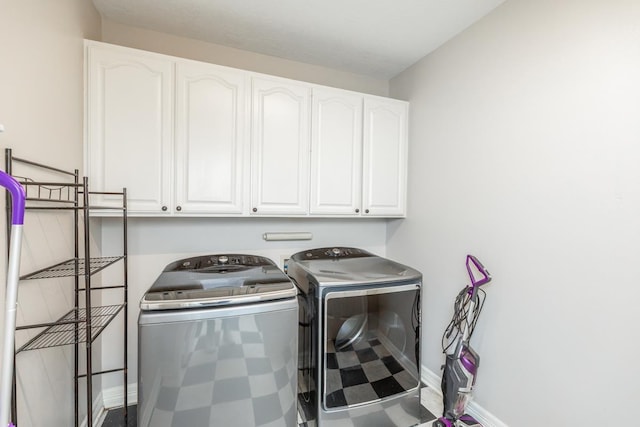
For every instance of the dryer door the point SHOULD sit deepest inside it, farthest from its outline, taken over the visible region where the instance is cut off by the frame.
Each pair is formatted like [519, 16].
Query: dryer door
[369, 345]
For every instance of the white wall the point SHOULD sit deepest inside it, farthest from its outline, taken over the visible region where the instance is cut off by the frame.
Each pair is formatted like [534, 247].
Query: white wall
[524, 149]
[154, 243]
[169, 44]
[41, 107]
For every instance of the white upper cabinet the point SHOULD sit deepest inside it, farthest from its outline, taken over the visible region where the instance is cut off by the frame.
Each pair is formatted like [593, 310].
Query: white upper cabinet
[336, 152]
[129, 126]
[188, 138]
[385, 157]
[177, 142]
[279, 147]
[210, 148]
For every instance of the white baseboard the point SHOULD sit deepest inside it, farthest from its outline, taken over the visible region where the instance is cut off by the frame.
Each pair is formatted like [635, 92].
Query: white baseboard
[486, 418]
[98, 411]
[431, 379]
[114, 397]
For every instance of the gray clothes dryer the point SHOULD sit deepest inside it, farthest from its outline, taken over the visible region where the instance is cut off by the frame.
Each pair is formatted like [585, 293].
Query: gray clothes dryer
[359, 338]
[217, 345]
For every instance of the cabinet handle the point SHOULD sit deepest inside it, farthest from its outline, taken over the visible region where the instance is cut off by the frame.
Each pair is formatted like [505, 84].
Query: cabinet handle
[357, 210]
[178, 208]
[164, 208]
[366, 211]
[255, 209]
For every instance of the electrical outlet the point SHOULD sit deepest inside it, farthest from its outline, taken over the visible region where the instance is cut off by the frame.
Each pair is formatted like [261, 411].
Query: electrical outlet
[284, 260]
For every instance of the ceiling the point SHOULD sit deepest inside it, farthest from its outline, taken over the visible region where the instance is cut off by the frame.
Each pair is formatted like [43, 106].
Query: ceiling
[377, 38]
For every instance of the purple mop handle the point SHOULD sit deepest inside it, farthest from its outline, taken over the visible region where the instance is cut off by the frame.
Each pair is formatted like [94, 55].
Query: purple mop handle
[18, 197]
[18, 200]
[486, 277]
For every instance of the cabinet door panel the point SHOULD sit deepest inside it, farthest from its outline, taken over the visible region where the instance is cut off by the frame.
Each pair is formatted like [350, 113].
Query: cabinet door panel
[129, 127]
[385, 157]
[210, 135]
[336, 152]
[280, 148]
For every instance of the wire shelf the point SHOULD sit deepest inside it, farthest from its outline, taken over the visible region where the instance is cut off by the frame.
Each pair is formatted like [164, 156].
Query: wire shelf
[72, 267]
[60, 192]
[72, 329]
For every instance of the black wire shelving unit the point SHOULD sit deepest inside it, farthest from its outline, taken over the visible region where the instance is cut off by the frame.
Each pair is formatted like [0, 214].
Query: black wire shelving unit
[84, 322]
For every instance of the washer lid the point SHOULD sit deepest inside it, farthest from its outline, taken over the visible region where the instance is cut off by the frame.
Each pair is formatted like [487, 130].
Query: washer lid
[340, 266]
[216, 280]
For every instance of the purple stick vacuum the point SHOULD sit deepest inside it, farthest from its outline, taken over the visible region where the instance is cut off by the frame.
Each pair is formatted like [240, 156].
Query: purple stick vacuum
[461, 366]
[18, 198]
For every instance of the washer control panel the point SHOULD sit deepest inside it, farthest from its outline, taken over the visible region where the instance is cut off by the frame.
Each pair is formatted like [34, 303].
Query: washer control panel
[336, 252]
[222, 260]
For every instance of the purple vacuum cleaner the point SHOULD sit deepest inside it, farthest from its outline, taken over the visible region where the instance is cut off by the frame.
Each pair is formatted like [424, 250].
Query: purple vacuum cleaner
[461, 366]
[18, 198]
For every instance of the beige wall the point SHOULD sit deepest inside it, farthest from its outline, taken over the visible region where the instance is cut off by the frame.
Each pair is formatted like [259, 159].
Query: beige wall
[41, 107]
[198, 50]
[41, 77]
[524, 151]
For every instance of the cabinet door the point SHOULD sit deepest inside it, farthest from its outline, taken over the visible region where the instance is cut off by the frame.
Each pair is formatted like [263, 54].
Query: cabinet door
[385, 157]
[280, 147]
[210, 139]
[129, 126]
[336, 152]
